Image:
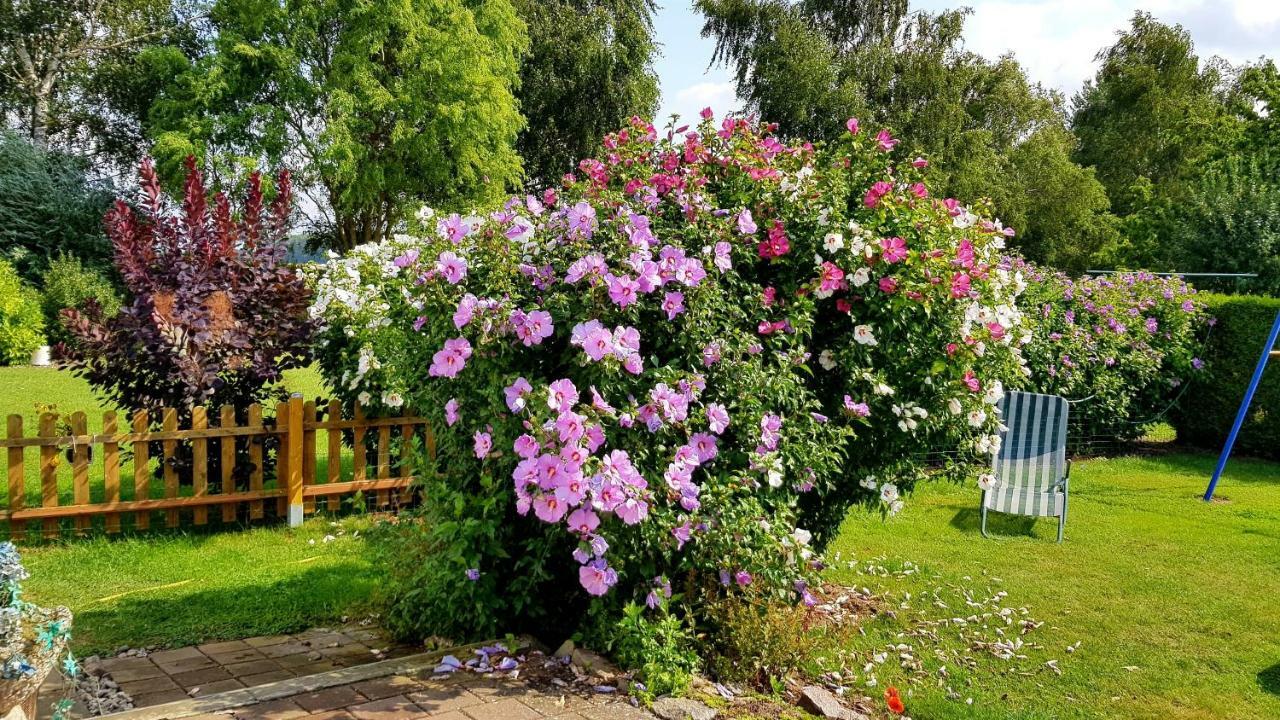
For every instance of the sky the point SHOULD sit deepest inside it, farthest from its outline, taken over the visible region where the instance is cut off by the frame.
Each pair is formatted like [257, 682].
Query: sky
[1055, 40]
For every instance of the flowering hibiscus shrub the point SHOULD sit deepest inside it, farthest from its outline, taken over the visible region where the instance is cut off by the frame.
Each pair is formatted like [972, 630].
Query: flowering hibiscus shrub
[1120, 346]
[664, 378]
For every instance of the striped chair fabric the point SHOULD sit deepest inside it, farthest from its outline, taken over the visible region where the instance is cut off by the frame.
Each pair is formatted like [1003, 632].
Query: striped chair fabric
[1031, 468]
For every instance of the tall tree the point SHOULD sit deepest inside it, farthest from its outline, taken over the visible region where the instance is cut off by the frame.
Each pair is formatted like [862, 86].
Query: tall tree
[588, 69]
[380, 105]
[1257, 103]
[50, 204]
[49, 50]
[990, 132]
[1152, 115]
[1228, 220]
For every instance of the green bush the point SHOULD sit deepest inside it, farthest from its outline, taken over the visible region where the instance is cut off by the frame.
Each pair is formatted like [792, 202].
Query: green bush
[68, 284]
[1205, 414]
[21, 322]
[658, 648]
[49, 202]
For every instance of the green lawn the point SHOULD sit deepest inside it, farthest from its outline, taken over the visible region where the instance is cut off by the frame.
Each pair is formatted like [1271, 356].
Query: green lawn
[180, 589]
[1175, 602]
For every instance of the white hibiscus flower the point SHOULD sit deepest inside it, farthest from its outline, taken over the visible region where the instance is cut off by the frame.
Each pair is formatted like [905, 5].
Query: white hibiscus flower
[864, 335]
[833, 242]
[888, 492]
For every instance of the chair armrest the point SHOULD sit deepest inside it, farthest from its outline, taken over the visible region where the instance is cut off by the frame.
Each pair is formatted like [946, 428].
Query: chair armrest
[1066, 476]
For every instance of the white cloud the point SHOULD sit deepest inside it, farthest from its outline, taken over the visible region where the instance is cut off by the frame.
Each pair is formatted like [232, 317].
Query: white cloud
[688, 101]
[1057, 40]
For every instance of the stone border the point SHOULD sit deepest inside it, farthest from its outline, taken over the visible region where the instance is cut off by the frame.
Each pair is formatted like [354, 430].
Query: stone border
[242, 697]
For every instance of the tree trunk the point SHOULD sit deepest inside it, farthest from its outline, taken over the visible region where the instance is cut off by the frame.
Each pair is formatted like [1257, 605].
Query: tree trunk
[40, 121]
[357, 229]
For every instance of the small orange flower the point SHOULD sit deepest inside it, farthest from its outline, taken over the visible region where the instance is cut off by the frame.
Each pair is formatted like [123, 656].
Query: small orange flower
[894, 702]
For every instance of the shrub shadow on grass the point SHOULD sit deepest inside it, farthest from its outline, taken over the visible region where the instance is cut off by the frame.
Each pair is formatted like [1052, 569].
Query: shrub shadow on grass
[998, 524]
[319, 595]
[1269, 679]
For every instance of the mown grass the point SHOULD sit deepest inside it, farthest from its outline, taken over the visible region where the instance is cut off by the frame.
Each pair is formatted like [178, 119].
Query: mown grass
[187, 588]
[1173, 601]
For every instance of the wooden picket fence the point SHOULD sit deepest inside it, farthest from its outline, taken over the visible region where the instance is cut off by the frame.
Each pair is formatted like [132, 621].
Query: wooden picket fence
[234, 452]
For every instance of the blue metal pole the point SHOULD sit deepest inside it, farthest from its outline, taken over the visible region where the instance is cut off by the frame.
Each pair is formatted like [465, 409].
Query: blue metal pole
[1244, 407]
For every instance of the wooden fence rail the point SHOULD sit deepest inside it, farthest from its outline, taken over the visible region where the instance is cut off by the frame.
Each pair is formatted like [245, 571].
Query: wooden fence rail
[180, 474]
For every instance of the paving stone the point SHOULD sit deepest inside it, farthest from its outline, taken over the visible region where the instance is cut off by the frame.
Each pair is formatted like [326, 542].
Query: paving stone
[673, 708]
[216, 686]
[397, 707]
[297, 659]
[253, 667]
[324, 639]
[127, 663]
[169, 656]
[331, 715]
[201, 677]
[226, 715]
[492, 690]
[350, 650]
[506, 709]
[555, 704]
[132, 669]
[267, 640]
[439, 700]
[451, 715]
[292, 647]
[177, 667]
[382, 687]
[311, 668]
[329, 699]
[158, 698]
[216, 648]
[363, 636]
[149, 685]
[230, 657]
[614, 711]
[135, 672]
[273, 710]
[266, 677]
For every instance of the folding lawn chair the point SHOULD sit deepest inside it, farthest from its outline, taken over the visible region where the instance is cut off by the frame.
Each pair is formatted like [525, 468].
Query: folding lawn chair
[1031, 469]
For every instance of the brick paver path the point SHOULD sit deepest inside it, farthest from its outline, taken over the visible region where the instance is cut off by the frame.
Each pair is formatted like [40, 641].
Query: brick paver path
[202, 670]
[422, 695]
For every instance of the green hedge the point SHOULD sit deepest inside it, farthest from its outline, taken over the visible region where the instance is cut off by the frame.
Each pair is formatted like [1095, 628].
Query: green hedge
[1206, 411]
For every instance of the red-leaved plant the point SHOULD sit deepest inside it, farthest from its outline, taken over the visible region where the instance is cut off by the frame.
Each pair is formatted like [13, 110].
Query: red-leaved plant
[214, 314]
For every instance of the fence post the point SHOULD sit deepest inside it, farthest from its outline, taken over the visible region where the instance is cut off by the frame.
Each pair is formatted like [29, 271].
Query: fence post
[293, 440]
